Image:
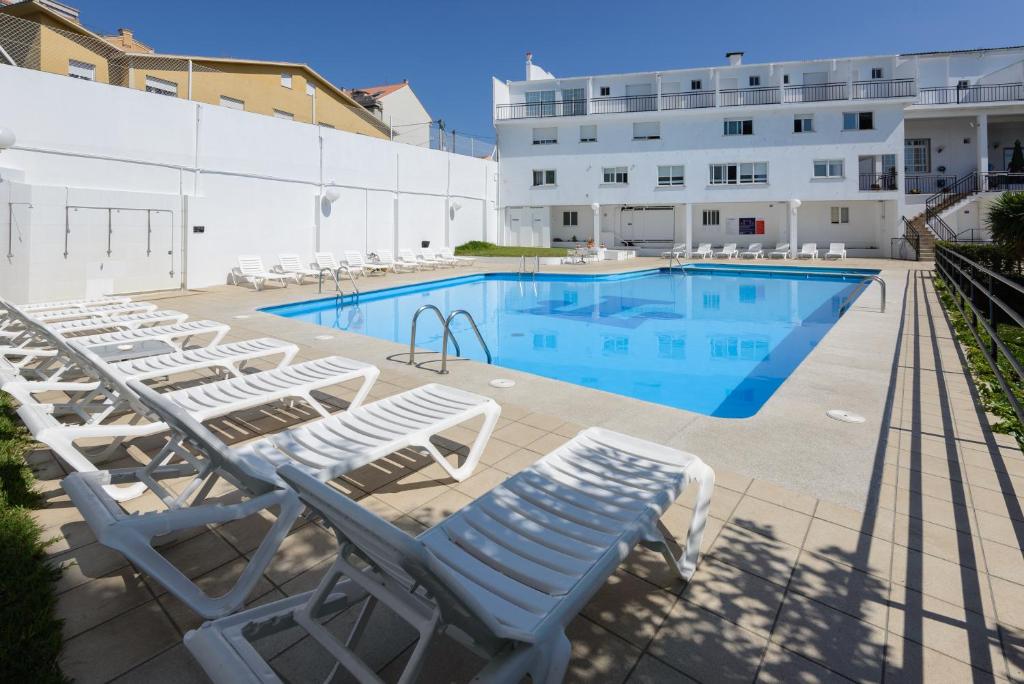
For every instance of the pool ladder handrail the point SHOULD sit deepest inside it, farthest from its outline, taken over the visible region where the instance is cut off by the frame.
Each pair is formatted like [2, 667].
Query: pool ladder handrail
[864, 284]
[337, 281]
[522, 265]
[444, 324]
[448, 333]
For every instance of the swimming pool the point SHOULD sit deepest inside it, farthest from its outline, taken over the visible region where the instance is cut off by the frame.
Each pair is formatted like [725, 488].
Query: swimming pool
[718, 340]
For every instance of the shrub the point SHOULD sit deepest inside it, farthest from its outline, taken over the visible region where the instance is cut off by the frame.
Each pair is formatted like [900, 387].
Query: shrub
[991, 256]
[1006, 221]
[476, 244]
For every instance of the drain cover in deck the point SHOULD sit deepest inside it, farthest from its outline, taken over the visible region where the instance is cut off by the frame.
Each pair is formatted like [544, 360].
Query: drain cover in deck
[502, 383]
[844, 416]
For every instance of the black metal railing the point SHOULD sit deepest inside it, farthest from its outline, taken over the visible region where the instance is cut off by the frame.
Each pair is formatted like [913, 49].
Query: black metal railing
[624, 104]
[942, 230]
[907, 247]
[878, 182]
[1002, 181]
[965, 186]
[926, 184]
[536, 110]
[737, 97]
[987, 299]
[880, 89]
[695, 99]
[1001, 92]
[822, 92]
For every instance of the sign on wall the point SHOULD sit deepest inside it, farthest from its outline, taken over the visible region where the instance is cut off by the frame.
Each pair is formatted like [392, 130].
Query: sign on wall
[747, 226]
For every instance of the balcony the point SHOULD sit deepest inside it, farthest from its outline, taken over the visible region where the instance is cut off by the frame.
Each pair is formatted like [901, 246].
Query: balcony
[739, 97]
[927, 184]
[879, 89]
[823, 92]
[537, 110]
[1003, 92]
[695, 99]
[624, 105]
[878, 182]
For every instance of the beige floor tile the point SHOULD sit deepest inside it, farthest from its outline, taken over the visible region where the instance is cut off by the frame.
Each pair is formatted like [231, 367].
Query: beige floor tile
[876, 522]
[723, 501]
[1004, 561]
[597, 654]
[518, 434]
[301, 550]
[765, 557]
[783, 667]
[939, 578]
[517, 460]
[630, 608]
[440, 507]
[857, 593]
[542, 421]
[483, 480]
[650, 670]
[771, 520]
[547, 443]
[740, 597]
[862, 551]
[92, 603]
[907, 661]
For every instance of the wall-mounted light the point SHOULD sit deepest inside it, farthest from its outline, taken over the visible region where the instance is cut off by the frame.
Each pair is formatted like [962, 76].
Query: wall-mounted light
[7, 138]
[332, 195]
[939, 149]
[456, 206]
[596, 207]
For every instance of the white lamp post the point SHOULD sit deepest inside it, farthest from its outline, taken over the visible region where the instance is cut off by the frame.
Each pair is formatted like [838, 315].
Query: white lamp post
[597, 224]
[794, 206]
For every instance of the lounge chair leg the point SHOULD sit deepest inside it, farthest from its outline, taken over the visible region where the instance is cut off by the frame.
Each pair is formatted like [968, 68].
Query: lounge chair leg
[550, 667]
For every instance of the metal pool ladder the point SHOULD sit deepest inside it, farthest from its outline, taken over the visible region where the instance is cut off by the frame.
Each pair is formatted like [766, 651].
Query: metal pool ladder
[522, 268]
[448, 334]
[861, 286]
[337, 282]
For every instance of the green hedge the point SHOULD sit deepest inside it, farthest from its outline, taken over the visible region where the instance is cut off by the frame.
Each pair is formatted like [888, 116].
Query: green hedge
[989, 255]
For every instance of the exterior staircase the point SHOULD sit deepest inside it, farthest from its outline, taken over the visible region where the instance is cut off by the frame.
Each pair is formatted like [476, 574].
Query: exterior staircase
[924, 237]
[930, 225]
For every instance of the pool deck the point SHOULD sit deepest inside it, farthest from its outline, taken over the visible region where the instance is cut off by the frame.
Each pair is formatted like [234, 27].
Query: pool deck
[886, 550]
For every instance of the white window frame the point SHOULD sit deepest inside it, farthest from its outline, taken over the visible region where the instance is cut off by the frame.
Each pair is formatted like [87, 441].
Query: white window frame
[545, 135]
[232, 103]
[161, 87]
[711, 217]
[830, 168]
[804, 120]
[546, 178]
[857, 121]
[286, 81]
[605, 91]
[910, 160]
[743, 173]
[281, 114]
[754, 81]
[656, 135]
[877, 73]
[737, 127]
[587, 138]
[619, 175]
[839, 215]
[570, 218]
[671, 175]
[81, 70]
[696, 84]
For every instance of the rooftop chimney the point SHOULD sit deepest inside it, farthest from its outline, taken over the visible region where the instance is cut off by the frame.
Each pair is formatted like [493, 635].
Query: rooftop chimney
[735, 58]
[125, 33]
[529, 63]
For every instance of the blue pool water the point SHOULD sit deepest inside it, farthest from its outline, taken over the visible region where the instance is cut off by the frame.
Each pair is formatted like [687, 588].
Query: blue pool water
[718, 340]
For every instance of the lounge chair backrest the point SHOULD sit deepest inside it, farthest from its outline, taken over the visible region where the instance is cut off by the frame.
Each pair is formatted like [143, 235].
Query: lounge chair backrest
[392, 551]
[290, 263]
[781, 245]
[326, 260]
[354, 259]
[704, 246]
[250, 264]
[446, 252]
[729, 247]
[407, 255]
[836, 246]
[386, 256]
[427, 254]
[754, 247]
[809, 247]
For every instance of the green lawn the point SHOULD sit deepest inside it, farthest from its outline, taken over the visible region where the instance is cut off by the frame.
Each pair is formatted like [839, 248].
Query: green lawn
[30, 634]
[487, 249]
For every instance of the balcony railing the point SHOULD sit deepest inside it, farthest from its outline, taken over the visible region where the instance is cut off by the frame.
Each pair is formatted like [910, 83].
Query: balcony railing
[1001, 181]
[1003, 92]
[624, 105]
[927, 184]
[695, 99]
[878, 182]
[821, 92]
[880, 89]
[536, 110]
[737, 97]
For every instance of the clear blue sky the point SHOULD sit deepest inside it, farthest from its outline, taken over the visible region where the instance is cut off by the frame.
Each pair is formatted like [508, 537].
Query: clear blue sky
[450, 50]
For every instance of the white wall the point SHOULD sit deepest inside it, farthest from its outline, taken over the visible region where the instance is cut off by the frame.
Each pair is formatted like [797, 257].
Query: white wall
[252, 181]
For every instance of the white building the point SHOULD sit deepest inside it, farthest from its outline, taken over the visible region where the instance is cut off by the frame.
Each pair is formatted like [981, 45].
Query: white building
[722, 154]
[397, 105]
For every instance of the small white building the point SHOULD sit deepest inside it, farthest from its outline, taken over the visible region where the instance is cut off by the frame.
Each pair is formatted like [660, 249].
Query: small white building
[397, 105]
[722, 154]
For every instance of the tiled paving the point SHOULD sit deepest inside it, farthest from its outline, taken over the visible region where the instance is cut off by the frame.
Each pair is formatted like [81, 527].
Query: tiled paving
[925, 583]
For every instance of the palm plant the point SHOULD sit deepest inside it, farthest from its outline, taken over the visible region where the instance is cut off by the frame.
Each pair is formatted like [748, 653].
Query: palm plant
[1006, 221]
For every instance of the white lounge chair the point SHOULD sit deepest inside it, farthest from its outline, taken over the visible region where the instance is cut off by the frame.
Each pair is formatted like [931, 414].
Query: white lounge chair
[809, 250]
[728, 251]
[836, 250]
[251, 269]
[356, 263]
[428, 256]
[386, 257]
[703, 251]
[337, 445]
[291, 265]
[754, 251]
[119, 322]
[74, 304]
[781, 251]
[449, 253]
[57, 315]
[504, 575]
[408, 257]
[677, 252]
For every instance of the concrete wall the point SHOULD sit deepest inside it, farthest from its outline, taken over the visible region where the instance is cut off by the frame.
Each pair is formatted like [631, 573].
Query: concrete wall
[252, 182]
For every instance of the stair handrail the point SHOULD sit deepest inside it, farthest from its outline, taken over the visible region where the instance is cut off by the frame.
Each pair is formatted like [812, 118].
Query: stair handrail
[911, 235]
[448, 332]
[942, 229]
[965, 186]
[444, 324]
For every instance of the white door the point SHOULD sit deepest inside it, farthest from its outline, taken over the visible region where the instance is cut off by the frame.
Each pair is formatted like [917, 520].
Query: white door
[659, 224]
[627, 227]
[540, 228]
[515, 226]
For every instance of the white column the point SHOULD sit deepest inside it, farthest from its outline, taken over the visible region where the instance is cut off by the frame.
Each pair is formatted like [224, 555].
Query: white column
[982, 143]
[657, 93]
[688, 220]
[597, 224]
[794, 207]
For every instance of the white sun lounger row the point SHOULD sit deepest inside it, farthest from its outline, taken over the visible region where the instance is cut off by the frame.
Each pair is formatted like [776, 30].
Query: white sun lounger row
[809, 250]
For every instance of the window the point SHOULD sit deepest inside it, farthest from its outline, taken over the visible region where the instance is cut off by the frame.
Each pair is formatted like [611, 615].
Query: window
[858, 121]
[917, 155]
[785, 79]
[606, 91]
[840, 215]
[754, 81]
[281, 114]
[963, 84]
[544, 177]
[588, 133]
[615, 174]
[803, 123]
[545, 136]
[286, 80]
[828, 168]
[876, 73]
[542, 102]
[636, 89]
[82, 70]
[696, 84]
[648, 130]
[711, 217]
[671, 175]
[739, 126]
[310, 89]
[570, 218]
[232, 103]
[161, 87]
[742, 173]
[574, 102]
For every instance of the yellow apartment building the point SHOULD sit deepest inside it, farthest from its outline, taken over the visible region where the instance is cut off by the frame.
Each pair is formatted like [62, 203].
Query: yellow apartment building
[47, 36]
